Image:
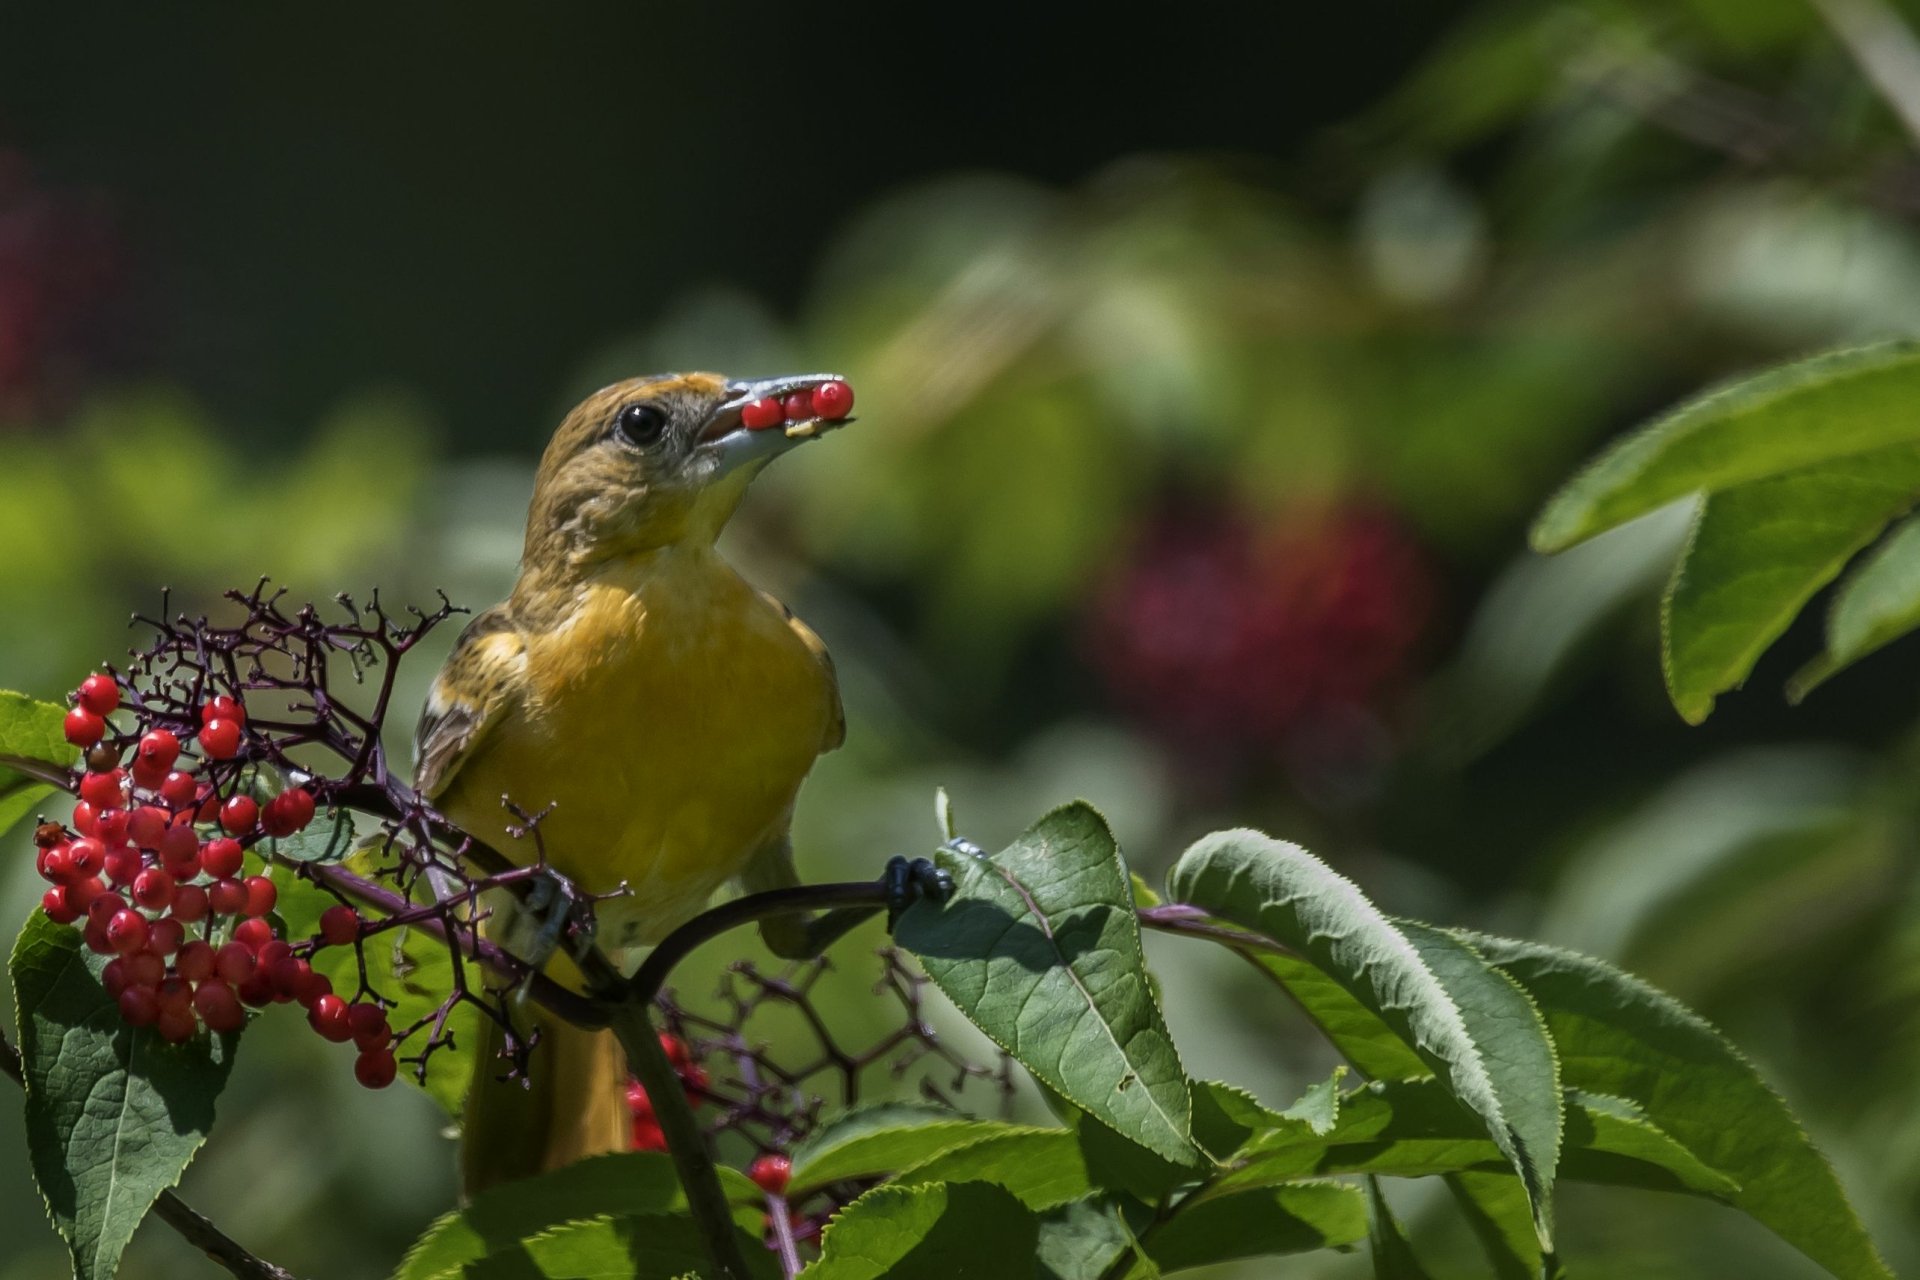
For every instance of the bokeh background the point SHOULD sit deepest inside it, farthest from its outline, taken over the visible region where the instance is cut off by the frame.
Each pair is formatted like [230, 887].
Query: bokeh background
[1210, 372]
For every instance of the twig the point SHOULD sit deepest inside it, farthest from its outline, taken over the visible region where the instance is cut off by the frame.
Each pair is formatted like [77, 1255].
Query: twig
[192, 1225]
[676, 946]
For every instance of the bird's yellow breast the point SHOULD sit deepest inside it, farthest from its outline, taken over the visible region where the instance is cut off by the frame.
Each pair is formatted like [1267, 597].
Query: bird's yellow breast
[668, 720]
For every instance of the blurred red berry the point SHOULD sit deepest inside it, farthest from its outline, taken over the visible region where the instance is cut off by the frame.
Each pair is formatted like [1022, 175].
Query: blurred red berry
[798, 407]
[833, 400]
[104, 790]
[189, 904]
[328, 1015]
[253, 934]
[771, 1174]
[260, 895]
[375, 1068]
[648, 1136]
[234, 963]
[122, 865]
[639, 1105]
[763, 413]
[169, 935]
[370, 1027]
[176, 1026]
[146, 825]
[196, 960]
[139, 1006]
[339, 926]
[226, 897]
[144, 968]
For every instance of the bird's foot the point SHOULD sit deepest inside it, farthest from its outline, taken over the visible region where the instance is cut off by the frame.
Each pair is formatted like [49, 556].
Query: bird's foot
[553, 911]
[908, 881]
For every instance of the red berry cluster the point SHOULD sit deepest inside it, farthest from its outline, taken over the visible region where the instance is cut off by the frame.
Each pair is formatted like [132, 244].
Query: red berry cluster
[647, 1135]
[151, 871]
[1224, 631]
[828, 402]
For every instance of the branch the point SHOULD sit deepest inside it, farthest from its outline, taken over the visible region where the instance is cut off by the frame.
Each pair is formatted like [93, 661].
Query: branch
[192, 1225]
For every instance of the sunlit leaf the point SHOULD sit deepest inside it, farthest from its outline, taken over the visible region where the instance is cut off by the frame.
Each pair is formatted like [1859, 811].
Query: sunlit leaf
[1877, 604]
[31, 733]
[931, 1232]
[883, 1138]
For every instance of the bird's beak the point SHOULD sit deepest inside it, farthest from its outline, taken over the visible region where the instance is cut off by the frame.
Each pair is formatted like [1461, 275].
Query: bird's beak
[735, 445]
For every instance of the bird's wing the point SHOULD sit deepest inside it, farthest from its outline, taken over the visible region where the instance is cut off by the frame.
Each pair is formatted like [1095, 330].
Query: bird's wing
[474, 684]
[837, 731]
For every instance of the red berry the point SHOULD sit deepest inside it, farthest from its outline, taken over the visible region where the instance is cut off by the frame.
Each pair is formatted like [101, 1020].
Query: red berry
[144, 968]
[695, 1082]
[639, 1105]
[218, 1007]
[176, 1026]
[189, 904]
[175, 993]
[56, 864]
[260, 895]
[220, 739]
[196, 960]
[832, 400]
[257, 990]
[253, 934]
[370, 1027]
[86, 819]
[771, 1174]
[339, 926]
[99, 694]
[328, 1015]
[82, 894]
[222, 707]
[128, 931]
[234, 963]
[123, 864]
[676, 1050]
[56, 904]
[84, 728]
[168, 935]
[238, 815]
[146, 825]
[375, 1068]
[178, 844]
[95, 936]
[648, 1136]
[289, 974]
[179, 789]
[104, 790]
[110, 826]
[158, 749]
[311, 986]
[146, 776]
[139, 1006]
[153, 889]
[272, 953]
[114, 976]
[797, 407]
[764, 413]
[87, 857]
[288, 812]
[209, 807]
[221, 857]
[105, 907]
[226, 897]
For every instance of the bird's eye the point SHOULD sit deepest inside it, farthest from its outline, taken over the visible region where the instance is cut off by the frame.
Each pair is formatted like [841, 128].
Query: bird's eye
[640, 424]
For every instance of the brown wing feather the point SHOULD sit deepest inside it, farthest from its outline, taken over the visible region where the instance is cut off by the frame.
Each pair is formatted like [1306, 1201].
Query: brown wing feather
[467, 695]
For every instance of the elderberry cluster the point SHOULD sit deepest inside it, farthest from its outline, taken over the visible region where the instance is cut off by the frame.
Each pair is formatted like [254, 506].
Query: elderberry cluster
[151, 868]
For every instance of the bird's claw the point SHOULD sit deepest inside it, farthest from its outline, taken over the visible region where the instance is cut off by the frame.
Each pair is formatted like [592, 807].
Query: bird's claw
[552, 911]
[909, 881]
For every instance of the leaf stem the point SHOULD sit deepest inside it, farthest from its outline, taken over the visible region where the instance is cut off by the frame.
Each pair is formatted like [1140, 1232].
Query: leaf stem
[193, 1226]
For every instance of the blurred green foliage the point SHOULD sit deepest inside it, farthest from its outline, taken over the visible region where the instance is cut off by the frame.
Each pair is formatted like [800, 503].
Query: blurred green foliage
[1567, 216]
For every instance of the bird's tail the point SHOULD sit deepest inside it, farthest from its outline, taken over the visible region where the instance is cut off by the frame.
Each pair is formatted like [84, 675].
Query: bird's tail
[571, 1105]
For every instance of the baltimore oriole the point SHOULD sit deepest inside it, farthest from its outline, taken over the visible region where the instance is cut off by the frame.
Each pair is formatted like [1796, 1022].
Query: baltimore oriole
[664, 708]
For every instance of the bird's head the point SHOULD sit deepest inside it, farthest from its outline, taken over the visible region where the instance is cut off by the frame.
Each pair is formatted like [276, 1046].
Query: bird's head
[655, 462]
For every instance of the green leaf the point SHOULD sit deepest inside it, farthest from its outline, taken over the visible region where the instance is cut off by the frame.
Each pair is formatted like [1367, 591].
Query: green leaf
[1082, 1239]
[627, 1247]
[1412, 1129]
[1877, 604]
[1495, 1207]
[1393, 1255]
[1294, 1218]
[1041, 1168]
[1040, 948]
[934, 1232]
[1467, 1022]
[1358, 1032]
[639, 1183]
[1758, 553]
[884, 1138]
[113, 1114]
[1798, 415]
[329, 838]
[1620, 1037]
[32, 733]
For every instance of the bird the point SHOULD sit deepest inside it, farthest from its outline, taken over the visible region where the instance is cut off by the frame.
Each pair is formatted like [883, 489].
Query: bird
[657, 710]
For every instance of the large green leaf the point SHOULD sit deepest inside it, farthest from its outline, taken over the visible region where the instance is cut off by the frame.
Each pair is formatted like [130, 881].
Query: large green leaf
[940, 1231]
[1082, 1239]
[113, 1114]
[1758, 553]
[1620, 1037]
[31, 733]
[883, 1138]
[1877, 604]
[1798, 415]
[1495, 1207]
[494, 1222]
[1468, 1023]
[1294, 1218]
[643, 1246]
[1040, 947]
[1041, 1168]
[1372, 1046]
